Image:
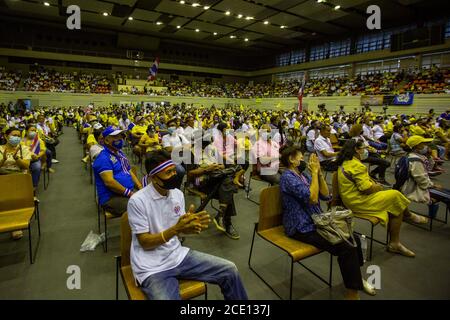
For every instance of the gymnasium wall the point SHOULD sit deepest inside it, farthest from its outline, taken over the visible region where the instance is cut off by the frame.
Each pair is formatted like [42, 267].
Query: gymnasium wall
[422, 103]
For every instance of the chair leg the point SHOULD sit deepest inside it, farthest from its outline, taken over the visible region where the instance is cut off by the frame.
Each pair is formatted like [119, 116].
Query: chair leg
[206, 292]
[118, 258]
[371, 242]
[29, 243]
[98, 218]
[106, 232]
[38, 220]
[330, 280]
[292, 278]
[251, 246]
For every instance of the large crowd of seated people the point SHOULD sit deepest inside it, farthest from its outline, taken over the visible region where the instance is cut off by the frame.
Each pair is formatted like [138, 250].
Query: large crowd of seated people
[422, 81]
[9, 80]
[275, 142]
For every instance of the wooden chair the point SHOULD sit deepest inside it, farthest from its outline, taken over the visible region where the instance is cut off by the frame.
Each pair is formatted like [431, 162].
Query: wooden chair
[188, 288]
[18, 206]
[270, 228]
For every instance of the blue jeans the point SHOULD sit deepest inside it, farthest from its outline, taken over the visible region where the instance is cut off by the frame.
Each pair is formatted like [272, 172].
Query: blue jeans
[196, 266]
[35, 168]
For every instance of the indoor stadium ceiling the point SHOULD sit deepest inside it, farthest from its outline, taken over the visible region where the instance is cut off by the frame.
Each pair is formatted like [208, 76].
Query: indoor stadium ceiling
[245, 24]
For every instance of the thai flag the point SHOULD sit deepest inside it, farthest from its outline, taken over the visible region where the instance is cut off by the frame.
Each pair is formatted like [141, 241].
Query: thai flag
[300, 94]
[36, 145]
[153, 70]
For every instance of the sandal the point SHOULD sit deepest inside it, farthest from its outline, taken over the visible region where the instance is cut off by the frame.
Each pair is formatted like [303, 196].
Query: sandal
[416, 218]
[368, 288]
[402, 251]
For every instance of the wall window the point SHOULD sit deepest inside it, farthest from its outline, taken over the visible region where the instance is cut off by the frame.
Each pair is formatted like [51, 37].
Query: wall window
[370, 42]
[283, 59]
[297, 56]
[291, 57]
[319, 52]
[340, 48]
[289, 76]
[447, 29]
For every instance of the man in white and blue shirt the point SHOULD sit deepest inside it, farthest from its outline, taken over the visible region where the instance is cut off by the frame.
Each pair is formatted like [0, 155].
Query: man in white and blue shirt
[114, 179]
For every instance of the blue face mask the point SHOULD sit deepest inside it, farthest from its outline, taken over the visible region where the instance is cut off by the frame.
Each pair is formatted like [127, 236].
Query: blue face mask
[118, 144]
[14, 141]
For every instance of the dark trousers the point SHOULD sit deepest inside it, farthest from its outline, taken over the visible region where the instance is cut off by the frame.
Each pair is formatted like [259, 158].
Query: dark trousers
[382, 165]
[350, 259]
[52, 147]
[329, 165]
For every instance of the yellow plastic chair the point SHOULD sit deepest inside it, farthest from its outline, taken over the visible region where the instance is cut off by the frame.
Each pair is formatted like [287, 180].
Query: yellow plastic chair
[18, 206]
[188, 288]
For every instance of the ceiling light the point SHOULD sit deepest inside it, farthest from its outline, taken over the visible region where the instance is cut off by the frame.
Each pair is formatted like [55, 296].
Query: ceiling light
[266, 22]
[206, 7]
[319, 1]
[246, 39]
[228, 13]
[337, 7]
[249, 18]
[197, 30]
[232, 37]
[46, 4]
[130, 18]
[105, 14]
[195, 4]
[239, 16]
[178, 27]
[182, 2]
[159, 23]
[282, 27]
[135, 61]
[215, 33]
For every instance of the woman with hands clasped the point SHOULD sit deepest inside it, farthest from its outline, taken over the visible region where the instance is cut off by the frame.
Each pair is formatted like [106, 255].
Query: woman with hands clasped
[157, 216]
[300, 194]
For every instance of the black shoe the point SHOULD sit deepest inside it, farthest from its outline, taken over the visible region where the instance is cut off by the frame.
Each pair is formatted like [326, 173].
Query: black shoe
[220, 224]
[231, 232]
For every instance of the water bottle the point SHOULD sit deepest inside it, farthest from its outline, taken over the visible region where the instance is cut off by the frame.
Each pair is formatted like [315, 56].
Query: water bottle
[364, 247]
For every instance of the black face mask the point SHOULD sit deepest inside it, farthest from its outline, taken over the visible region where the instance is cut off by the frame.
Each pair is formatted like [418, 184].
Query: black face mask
[169, 184]
[302, 166]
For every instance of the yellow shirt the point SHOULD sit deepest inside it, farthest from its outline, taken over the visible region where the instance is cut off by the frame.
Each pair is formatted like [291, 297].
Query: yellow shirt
[415, 130]
[377, 204]
[104, 118]
[147, 140]
[112, 121]
[139, 130]
[91, 140]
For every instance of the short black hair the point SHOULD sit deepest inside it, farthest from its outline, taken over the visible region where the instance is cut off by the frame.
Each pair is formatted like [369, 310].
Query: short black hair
[155, 158]
[9, 130]
[287, 152]
[348, 151]
[222, 126]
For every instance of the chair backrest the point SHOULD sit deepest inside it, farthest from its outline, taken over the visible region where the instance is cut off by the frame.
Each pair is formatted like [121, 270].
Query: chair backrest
[125, 240]
[270, 213]
[16, 192]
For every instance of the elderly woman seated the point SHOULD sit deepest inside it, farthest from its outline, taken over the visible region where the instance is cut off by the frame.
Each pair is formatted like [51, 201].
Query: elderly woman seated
[363, 195]
[300, 194]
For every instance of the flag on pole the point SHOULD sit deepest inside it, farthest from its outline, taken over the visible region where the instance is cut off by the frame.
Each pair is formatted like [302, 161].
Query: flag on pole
[36, 145]
[300, 95]
[153, 70]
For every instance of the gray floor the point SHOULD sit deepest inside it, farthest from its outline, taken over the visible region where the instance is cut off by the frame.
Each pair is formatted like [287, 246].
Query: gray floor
[68, 213]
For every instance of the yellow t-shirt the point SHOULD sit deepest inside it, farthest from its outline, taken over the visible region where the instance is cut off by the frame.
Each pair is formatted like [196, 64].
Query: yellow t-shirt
[147, 140]
[91, 139]
[139, 130]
